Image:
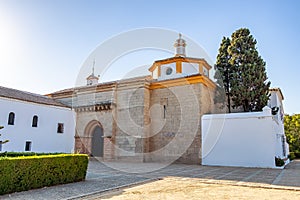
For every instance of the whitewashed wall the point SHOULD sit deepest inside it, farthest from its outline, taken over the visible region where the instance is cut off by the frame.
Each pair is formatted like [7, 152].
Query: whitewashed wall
[187, 69]
[155, 73]
[44, 137]
[190, 68]
[240, 139]
[163, 69]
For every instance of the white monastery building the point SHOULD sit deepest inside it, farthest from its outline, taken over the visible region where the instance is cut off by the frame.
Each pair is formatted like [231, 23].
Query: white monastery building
[35, 123]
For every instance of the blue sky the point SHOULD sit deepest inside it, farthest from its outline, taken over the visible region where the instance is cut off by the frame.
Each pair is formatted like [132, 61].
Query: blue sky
[44, 43]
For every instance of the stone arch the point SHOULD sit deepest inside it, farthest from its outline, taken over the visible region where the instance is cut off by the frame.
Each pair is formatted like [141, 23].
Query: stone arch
[88, 131]
[94, 131]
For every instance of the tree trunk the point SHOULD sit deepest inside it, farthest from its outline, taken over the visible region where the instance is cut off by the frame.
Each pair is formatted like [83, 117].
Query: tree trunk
[228, 102]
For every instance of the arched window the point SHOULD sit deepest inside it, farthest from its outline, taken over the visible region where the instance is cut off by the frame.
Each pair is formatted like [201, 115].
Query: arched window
[34, 121]
[11, 118]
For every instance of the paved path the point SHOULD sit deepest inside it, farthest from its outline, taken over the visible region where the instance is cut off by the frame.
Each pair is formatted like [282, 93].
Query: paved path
[110, 175]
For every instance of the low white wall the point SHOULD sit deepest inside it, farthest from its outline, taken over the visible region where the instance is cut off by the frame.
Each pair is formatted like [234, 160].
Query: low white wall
[239, 139]
[44, 137]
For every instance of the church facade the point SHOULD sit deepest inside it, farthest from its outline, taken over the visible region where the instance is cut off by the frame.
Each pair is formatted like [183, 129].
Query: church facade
[154, 118]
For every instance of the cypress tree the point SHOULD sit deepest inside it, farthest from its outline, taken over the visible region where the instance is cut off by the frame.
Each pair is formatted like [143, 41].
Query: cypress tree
[248, 86]
[223, 72]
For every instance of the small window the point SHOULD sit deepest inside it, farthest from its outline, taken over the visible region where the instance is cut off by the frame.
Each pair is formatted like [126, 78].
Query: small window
[60, 128]
[35, 121]
[28, 146]
[165, 111]
[11, 118]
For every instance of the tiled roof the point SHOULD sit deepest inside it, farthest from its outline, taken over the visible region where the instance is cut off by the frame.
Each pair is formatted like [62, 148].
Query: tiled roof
[139, 78]
[29, 97]
[180, 57]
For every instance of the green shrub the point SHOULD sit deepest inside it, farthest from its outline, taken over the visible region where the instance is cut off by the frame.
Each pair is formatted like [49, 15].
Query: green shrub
[29, 172]
[17, 154]
[292, 156]
[297, 154]
[279, 162]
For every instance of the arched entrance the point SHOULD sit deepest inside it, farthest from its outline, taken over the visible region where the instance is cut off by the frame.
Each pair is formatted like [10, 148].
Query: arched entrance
[93, 134]
[97, 142]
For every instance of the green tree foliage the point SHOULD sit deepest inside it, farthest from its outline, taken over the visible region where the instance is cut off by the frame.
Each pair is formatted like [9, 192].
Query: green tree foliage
[223, 73]
[248, 87]
[292, 131]
[5, 141]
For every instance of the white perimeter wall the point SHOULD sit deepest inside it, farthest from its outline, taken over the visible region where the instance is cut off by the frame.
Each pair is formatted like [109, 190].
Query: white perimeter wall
[239, 139]
[44, 138]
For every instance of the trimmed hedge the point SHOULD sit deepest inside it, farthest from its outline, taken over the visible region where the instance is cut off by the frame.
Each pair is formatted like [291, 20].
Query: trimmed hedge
[17, 154]
[29, 172]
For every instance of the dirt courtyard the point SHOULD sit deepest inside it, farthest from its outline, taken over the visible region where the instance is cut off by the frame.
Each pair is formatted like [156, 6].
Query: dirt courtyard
[193, 188]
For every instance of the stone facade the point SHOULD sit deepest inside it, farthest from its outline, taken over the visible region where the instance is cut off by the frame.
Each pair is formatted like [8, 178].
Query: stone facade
[145, 119]
[141, 121]
[175, 128]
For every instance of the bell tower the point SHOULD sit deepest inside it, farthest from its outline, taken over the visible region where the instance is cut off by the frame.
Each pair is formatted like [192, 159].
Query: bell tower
[180, 65]
[92, 79]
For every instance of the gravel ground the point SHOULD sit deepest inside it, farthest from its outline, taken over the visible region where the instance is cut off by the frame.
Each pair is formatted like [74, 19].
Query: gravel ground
[193, 188]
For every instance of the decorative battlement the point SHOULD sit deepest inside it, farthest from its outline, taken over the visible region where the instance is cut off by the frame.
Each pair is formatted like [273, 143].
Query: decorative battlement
[103, 106]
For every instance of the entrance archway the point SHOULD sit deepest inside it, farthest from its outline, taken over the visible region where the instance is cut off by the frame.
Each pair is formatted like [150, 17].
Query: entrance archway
[94, 134]
[97, 142]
